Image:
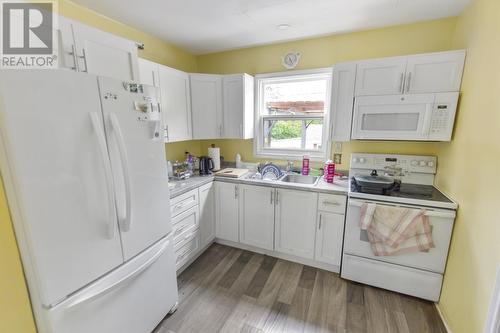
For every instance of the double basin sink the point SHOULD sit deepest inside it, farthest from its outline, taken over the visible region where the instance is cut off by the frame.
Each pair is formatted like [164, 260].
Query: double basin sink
[292, 178]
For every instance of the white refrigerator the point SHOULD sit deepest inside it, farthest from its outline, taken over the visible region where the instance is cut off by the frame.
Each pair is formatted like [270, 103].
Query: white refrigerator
[83, 162]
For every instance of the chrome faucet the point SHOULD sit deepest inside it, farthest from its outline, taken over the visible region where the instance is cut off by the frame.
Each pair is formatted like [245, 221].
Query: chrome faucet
[289, 166]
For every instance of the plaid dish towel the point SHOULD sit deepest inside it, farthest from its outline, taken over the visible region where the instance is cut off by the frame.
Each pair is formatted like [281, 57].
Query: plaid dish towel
[396, 230]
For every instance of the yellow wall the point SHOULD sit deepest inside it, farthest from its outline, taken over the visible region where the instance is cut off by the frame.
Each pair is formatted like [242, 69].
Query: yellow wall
[421, 37]
[15, 310]
[468, 171]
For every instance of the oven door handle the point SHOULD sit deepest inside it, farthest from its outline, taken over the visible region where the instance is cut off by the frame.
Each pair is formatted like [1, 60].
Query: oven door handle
[429, 213]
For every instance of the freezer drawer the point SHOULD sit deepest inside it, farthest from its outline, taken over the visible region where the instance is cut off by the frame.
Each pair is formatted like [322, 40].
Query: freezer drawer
[132, 299]
[405, 280]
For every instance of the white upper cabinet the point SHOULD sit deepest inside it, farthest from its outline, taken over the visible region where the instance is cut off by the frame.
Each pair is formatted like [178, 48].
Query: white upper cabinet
[380, 77]
[295, 226]
[257, 216]
[206, 106]
[436, 72]
[148, 73]
[421, 73]
[207, 214]
[175, 104]
[226, 211]
[238, 106]
[66, 45]
[104, 54]
[343, 79]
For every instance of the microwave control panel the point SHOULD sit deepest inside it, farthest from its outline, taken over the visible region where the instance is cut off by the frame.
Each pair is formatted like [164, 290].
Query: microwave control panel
[443, 116]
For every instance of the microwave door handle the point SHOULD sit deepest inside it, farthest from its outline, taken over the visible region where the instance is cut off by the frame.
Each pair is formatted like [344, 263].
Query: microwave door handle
[426, 127]
[117, 132]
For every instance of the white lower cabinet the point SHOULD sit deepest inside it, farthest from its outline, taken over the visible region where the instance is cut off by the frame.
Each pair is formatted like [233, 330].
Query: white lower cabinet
[256, 218]
[207, 214]
[226, 211]
[329, 235]
[295, 222]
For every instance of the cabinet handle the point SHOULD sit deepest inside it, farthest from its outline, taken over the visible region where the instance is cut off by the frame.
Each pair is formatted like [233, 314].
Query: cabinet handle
[220, 131]
[166, 133]
[272, 195]
[408, 82]
[331, 203]
[236, 191]
[402, 83]
[320, 216]
[75, 59]
[277, 197]
[84, 57]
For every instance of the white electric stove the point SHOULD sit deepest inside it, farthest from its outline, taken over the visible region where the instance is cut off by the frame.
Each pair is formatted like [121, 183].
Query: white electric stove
[418, 274]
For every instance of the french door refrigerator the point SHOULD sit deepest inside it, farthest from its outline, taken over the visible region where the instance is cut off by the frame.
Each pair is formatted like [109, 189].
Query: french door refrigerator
[83, 163]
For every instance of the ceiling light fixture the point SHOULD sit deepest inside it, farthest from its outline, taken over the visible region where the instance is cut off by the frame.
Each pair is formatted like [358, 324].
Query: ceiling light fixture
[282, 26]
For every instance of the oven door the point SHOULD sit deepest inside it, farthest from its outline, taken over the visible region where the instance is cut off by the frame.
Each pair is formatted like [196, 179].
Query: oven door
[441, 221]
[393, 117]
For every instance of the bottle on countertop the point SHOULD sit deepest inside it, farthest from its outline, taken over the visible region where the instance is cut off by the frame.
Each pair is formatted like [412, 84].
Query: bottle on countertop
[329, 171]
[305, 165]
[238, 161]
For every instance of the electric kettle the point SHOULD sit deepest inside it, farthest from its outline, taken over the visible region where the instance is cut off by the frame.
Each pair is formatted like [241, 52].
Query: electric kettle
[206, 165]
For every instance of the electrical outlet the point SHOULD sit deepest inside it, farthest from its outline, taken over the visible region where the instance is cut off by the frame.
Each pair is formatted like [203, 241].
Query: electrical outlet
[337, 147]
[337, 158]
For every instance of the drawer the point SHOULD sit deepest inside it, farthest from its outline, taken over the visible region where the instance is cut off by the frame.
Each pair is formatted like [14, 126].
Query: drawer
[184, 223]
[332, 203]
[187, 251]
[183, 202]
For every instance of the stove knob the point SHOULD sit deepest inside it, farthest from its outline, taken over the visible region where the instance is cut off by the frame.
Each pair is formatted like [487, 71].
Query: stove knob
[430, 164]
[414, 163]
[422, 163]
[355, 160]
[361, 160]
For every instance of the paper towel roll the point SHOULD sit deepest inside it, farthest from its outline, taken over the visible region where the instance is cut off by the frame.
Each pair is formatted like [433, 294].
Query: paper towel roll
[214, 154]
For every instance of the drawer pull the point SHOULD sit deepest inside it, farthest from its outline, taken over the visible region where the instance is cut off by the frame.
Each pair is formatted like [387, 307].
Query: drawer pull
[179, 206]
[179, 230]
[331, 203]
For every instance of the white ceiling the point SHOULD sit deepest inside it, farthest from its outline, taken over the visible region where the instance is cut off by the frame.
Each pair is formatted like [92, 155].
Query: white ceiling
[204, 26]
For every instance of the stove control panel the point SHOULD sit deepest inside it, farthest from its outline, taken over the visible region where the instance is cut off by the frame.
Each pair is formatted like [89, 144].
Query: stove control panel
[394, 163]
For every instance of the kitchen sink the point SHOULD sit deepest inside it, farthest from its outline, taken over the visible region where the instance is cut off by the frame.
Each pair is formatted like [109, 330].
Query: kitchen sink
[300, 179]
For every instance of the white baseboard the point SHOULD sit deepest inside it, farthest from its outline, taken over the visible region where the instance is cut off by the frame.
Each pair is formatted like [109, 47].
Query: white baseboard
[442, 318]
[284, 256]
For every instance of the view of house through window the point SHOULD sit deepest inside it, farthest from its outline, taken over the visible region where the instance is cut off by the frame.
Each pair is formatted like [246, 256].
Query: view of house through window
[292, 111]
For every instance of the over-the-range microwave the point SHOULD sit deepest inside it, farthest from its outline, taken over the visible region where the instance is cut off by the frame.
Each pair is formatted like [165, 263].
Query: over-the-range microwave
[419, 117]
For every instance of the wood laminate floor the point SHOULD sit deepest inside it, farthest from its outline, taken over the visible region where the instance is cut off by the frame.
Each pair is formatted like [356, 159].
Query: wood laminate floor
[232, 290]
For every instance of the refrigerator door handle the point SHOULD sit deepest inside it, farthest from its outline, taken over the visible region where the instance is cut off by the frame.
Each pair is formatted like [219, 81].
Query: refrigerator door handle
[101, 140]
[116, 129]
[103, 291]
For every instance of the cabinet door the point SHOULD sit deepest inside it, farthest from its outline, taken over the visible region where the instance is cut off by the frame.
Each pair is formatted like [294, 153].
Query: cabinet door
[148, 73]
[104, 54]
[206, 106]
[257, 216]
[329, 235]
[380, 77]
[207, 214]
[344, 76]
[226, 211]
[176, 106]
[295, 225]
[439, 72]
[238, 106]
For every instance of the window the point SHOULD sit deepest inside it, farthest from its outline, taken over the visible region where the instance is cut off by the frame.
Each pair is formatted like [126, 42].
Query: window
[291, 113]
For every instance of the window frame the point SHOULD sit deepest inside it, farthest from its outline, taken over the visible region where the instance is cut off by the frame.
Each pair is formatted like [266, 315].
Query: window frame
[260, 151]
